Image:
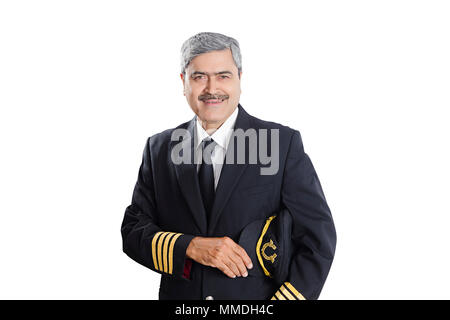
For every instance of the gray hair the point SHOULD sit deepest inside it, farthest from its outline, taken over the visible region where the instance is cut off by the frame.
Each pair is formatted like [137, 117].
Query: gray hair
[209, 41]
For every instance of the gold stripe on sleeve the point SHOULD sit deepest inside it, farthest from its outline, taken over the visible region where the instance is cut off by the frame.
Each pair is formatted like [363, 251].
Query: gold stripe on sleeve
[155, 238]
[166, 244]
[160, 242]
[172, 243]
[287, 294]
[294, 291]
[279, 296]
[274, 298]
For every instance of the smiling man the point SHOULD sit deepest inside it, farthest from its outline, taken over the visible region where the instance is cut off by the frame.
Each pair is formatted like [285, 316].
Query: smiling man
[216, 225]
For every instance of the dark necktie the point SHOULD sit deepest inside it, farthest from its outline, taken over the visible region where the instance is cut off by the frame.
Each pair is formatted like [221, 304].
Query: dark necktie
[206, 176]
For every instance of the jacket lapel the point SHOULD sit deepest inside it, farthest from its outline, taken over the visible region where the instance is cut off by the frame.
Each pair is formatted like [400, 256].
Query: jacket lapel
[230, 174]
[229, 177]
[187, 179]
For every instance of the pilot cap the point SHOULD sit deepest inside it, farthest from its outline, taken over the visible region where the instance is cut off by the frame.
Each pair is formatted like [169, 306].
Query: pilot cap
[268, 244]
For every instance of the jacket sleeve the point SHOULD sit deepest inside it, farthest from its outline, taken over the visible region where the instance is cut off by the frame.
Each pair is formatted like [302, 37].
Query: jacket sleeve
[313, 231]
[163, 251]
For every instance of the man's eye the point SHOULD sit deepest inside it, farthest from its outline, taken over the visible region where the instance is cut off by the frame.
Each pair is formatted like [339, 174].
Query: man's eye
[224, 77]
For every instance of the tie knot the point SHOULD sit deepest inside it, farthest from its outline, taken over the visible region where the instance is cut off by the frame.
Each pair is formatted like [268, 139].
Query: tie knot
[206, 142]
[208, 146]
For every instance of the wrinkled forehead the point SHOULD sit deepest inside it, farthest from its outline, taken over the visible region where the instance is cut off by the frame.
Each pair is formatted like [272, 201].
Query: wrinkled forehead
[213, 62]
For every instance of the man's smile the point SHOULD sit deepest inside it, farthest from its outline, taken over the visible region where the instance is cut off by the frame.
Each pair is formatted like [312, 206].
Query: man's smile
[213, 102]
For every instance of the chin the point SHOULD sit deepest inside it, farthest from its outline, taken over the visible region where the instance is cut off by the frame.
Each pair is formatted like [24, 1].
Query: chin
[212, 116]
[212, 113]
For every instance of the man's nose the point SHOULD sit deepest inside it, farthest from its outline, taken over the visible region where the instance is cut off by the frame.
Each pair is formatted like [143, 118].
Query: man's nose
[211, 85]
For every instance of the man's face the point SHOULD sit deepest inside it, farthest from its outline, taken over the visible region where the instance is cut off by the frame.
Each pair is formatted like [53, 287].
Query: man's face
[212, 86]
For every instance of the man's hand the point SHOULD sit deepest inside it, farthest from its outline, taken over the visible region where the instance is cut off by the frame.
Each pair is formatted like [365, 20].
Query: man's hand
[222, 253]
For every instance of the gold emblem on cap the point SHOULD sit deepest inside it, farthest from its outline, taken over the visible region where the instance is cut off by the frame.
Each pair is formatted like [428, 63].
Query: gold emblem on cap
[269, 244]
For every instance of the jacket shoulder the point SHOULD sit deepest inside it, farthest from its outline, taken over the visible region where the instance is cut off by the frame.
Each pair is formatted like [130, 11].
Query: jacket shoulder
[270, 124]
[285, 132]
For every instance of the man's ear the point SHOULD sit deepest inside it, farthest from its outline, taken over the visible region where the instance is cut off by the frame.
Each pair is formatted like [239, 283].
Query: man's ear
[182, 79]
[240, 78]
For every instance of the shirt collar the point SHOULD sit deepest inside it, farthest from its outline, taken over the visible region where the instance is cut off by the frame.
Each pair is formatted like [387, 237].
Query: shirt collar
[222, 135]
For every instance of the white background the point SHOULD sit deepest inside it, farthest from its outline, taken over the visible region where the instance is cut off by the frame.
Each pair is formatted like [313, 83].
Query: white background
[84, 83]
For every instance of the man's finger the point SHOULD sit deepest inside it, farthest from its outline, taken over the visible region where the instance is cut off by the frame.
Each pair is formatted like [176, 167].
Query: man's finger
[237, 260]
[233, 267]
[225, 269]
[244, 256]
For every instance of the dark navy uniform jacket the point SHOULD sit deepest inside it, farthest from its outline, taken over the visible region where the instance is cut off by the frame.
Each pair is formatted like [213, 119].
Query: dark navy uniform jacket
[167, 212]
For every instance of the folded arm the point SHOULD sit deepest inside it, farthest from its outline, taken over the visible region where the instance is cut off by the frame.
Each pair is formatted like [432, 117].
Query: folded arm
[162, 251]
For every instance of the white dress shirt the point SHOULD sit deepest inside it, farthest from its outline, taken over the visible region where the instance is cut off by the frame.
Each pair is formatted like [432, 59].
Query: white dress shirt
[221, 136]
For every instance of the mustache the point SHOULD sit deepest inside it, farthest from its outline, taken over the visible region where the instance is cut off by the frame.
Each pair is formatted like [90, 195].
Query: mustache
[204, 97]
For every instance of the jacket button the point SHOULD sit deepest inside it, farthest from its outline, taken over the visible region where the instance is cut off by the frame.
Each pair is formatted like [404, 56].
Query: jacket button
[209, 298]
